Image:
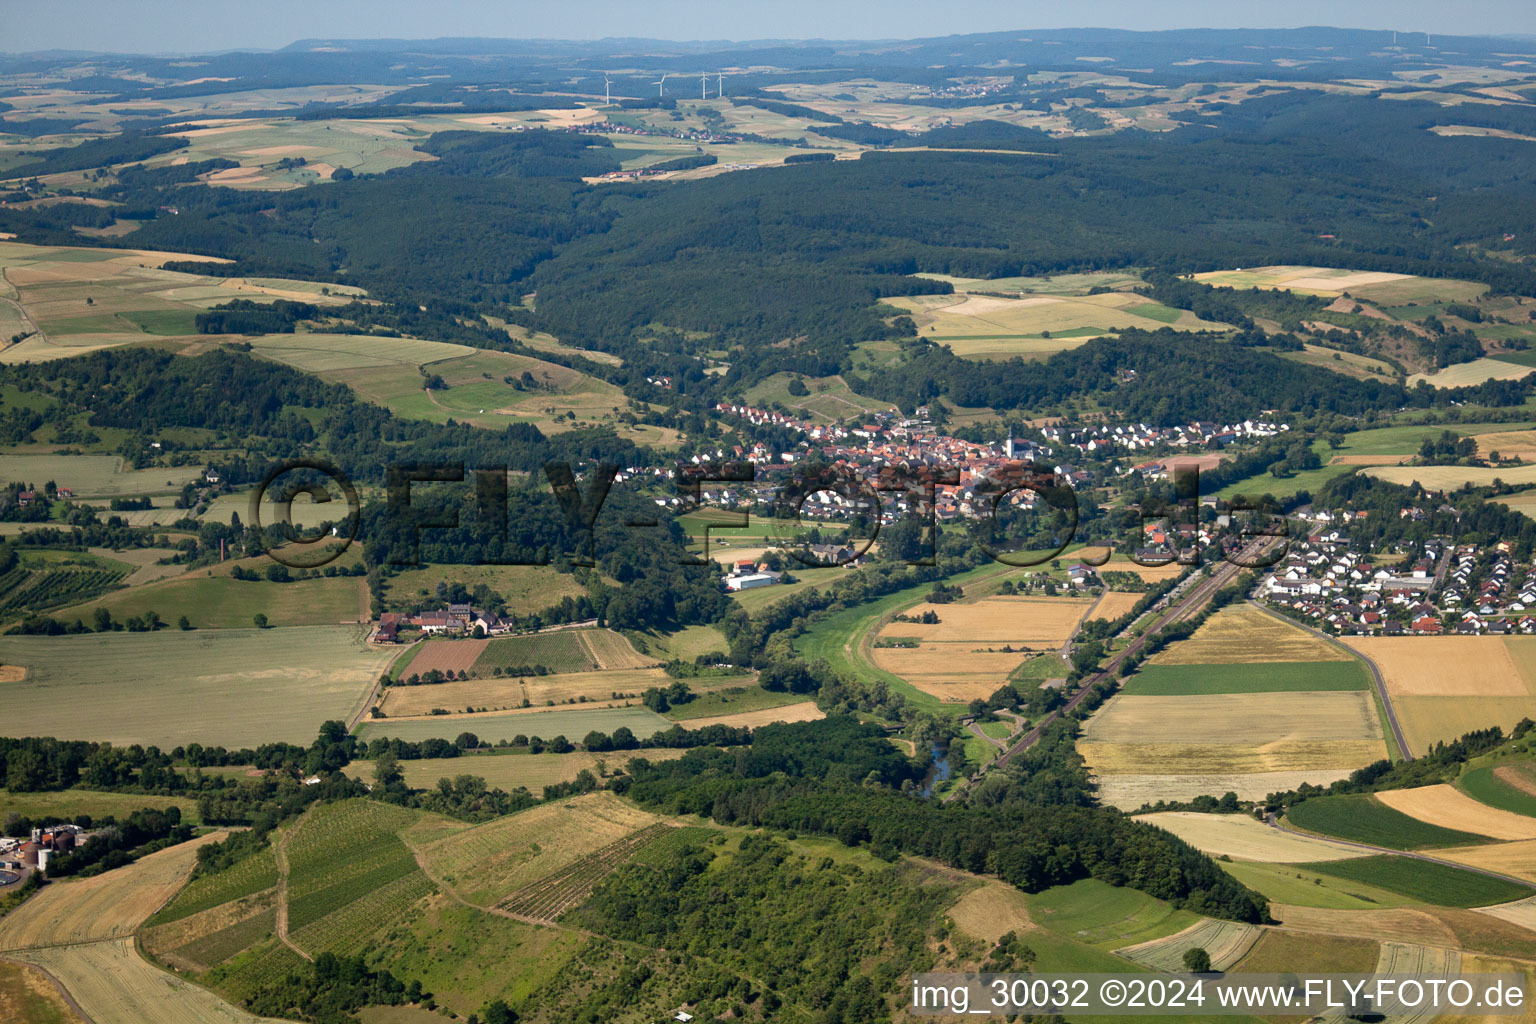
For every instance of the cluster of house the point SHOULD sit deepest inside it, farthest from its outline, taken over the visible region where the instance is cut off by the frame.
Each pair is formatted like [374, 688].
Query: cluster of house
[1103, 438]
[25, 855]
[454, 619]
[749, 575]
[1443, 589]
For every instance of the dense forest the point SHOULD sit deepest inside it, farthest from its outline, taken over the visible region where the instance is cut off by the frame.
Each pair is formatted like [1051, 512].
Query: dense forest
[785, 268]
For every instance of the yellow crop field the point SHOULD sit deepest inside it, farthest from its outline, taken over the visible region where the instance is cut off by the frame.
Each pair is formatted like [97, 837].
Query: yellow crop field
[508, 693]
[1476, 372]
[1248, 720]
[1114, 604]
[961, 657]
[112, 983]
[1243, 838]
[1219, 758]
[1429, 720]
[1400, 923]
[1449, 807]
[1453, 666]
[509, 771]
[1036, 622]
[1244, 635]
[1443, 687]
[1473, 963]
[1128, 792]
[1442, 478]
[107, 906]
[1325, 281]
[951, 672]
[806, 711]
[1516, 858]
[491, 861]
[1508, 443]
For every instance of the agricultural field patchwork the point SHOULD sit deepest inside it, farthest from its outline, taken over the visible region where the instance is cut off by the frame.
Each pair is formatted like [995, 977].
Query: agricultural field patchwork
[993, 326]
[96, 476]
[479, 387]
[1244, 635]
[1365, 818]
[231, 688]
[84, 299]
[1439, 884]
[1225, 736]
[975, 645]
[516, 693]
[1447, 807]
[488, 863]
[803, 711]
[1443, 687]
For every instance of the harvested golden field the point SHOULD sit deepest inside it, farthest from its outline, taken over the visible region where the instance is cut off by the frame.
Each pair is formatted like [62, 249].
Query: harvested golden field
[1452, 666]
[1243, 719]
[1520, 912]
[1245, 635]
[958, 673]
[1148, 573]
[961, 657]
[1402, 923]
[992, 910]
[1508, 443]
[1430, 720]
[1517, 858]
[1450, 478]
[112, 983]
[107, 906]
[1463, 375]
[491, 861]
[612, 650]
[502, 693]
[1129, 792]
[1449, 807]
[1114, 604]
[1034, 622]
[806, 711]
[1219, 758]
[1243, 838]
[12, 673]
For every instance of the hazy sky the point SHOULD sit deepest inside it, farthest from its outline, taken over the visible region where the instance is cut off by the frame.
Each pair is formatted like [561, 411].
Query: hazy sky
[160, 26]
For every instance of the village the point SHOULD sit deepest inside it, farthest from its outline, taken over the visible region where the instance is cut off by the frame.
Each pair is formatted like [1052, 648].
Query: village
[1440, 588]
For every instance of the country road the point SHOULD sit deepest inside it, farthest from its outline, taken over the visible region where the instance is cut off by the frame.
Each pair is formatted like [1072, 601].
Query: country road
[1178, 608]
[1381, 684]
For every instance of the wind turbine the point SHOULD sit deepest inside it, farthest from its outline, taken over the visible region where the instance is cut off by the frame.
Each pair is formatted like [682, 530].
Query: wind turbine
[661, 86]
[720, 86]
[607, 96]
[703, 86]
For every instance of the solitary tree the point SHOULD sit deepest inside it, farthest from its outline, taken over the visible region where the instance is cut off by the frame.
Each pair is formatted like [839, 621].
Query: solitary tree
[1197, 960]
[261, 620]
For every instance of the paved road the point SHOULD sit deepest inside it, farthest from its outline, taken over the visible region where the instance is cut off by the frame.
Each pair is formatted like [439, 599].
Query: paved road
[1381, 685]
[1274, 823]
[1177, 607]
